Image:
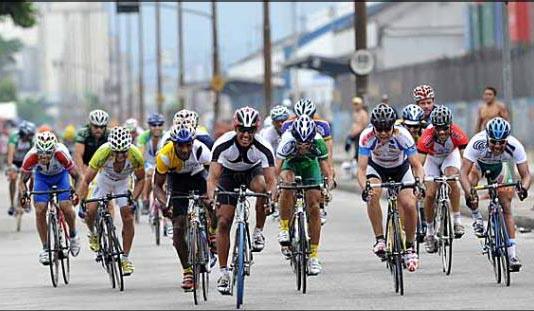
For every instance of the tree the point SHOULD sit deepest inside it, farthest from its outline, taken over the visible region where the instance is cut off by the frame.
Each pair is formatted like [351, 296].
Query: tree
[8, 90]
[8, 48]
[34, 110]
[23, 13]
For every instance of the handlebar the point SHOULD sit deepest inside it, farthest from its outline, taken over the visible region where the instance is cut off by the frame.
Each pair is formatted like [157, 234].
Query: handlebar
[109, 197]
[442, 178]
[246, 194]
[57, 191]
[187, 196]
[392, 184]
[516, 184]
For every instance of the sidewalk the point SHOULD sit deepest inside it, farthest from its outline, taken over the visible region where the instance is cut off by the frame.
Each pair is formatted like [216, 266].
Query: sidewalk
[523, 211]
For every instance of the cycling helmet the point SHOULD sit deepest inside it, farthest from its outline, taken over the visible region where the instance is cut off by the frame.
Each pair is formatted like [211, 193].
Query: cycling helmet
[131, 124]
[45, 142]
[44, 128]
[188, 116]
[98, 117]
[70, 132]
[304, 129]
[412, 115]
[383, 116]
[305, 106]
[182, 133]
[120, 139]
[246, 117]
[286, 103]
[26, 128]
[441, 115]
[423, 91]
[155, 118]
[279, 113]
[498, 128]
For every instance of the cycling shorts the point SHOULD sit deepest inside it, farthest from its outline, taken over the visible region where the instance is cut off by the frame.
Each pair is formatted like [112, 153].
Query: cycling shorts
[45, 182]
[231, 180]
[435, 166]
[105, 185]
[496, 172]
[309, 170]
[182, 184]
[401, 173]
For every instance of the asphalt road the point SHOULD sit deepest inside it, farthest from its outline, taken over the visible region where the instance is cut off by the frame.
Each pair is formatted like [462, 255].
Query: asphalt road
[352, 278]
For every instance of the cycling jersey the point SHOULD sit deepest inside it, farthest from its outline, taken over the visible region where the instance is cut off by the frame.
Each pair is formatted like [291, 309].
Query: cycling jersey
[477, 150]
[390, 154]
[201, 136]
[149, 152]
[428, 143]
[231, 155]
[323, 127]
[60, 161]
[21, 147]
[85, 137]
[103, 160]
[271, 135]
[168, 162]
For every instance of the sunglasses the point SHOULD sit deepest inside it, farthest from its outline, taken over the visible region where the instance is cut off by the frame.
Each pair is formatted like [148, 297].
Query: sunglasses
[120, 152]
[244, 129]
[98, 126]
[497, 141]
[383, 129]
[45, 153]
[442, 127]
[412, 126]
[180, 145]
[156, 125]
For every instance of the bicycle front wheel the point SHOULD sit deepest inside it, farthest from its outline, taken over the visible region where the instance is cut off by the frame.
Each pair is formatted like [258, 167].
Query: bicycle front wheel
[157, 225]
[303, 252]
[446, 238]
[54, 247]
[194, 258]
[241, 240]
[116, 253]
[65, 252]
[397, 255]
[503, 251]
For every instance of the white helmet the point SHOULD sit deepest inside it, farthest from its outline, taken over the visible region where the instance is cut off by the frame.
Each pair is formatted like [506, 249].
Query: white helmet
[131, 124]
[187, 116]
[305, 106]
[279, 113]
[45, 142]
[246, 117]
[120, 139]
[98, 117]
[304, 129]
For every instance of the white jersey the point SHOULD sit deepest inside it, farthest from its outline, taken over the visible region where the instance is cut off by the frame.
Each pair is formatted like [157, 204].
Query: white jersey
[477, 150]
[270, 134]
[164, 139]
[391, 153]
[227, 152]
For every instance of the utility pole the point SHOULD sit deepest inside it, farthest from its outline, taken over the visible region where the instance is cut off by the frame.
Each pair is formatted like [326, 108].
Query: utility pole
[506, 59]
[129, 78]
[118, 63]
[267, 72]
[159, 95]
[180, 88]
[360, 31]
[215, 61]
[294, 19]
[141, 67]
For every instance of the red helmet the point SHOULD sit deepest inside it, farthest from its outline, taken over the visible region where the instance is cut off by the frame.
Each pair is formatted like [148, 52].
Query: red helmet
[422, 92]
[246, 117]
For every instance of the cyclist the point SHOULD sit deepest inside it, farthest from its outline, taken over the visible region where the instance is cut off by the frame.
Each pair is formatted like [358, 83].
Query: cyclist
[412, 120]
[112, 164]
[133, 126]
[273, 133]
[69, 137]
[442, 143]
[148, 145]
[20, 142]
[90, 138]
[52, 164]
[387, 152]
[181, 163]
[423, 96]
[303, 152]
[240, 157]
[488, 151]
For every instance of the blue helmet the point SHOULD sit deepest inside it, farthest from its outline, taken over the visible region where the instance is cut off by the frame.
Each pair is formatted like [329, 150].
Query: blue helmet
[155, 118]
[498, 128]
[182, 133]
[26, 128]
[412, 115]
[304, 129]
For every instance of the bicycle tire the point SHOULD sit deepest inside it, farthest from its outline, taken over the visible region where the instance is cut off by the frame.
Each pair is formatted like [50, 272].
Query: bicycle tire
[205, 251]
[193, 259]
[116, 252]
[490, 249]
[240, 282]
[397, 248]
[295, 255]
[304, 251]
[65, 249]
[18, 218]
[503, 251]
[446, 238]
[53, 247]
[157, 225]
[419, 232]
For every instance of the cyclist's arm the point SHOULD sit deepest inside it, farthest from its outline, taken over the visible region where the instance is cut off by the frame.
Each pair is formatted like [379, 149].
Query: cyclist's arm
[84, 185]
[139, 182]
[417, 168]
[327, 172]
[270, 179]
[74, 172]
[159, 193]
[213, 178]
[330, 146]
[464, 175]
[362, 170]
[525, 175]
[278, 166]
[79, 149]
[25, 176]
[10, 154]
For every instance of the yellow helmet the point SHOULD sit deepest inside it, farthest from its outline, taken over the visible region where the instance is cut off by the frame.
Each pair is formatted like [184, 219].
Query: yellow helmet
[70, 132]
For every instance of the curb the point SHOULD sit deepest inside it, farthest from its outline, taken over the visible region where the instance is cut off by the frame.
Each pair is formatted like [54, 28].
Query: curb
[520, 221]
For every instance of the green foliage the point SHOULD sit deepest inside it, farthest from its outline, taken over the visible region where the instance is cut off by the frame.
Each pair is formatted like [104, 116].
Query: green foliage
[34, 110]
[8, 90]
[23, 13]
[8, 48]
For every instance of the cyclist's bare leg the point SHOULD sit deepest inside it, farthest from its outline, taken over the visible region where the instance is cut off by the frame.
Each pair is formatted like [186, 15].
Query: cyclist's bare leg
[429, 201]
[128, 229]
[374, 211]
[147, 189]
[287, 199]
[178, 238]
[258, 185]
[505, 198]
[12, 176]
[90, 215]
[455, 189]
[407, 202]
[40, 220]
[70, 215]
[225, 217]
[313, 198]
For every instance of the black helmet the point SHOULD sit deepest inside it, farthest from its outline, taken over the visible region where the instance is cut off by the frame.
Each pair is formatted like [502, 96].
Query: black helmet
[383, 116]
[440, 116]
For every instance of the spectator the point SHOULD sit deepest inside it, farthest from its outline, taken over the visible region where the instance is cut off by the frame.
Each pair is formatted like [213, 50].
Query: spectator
[490, 108]
[360, 119]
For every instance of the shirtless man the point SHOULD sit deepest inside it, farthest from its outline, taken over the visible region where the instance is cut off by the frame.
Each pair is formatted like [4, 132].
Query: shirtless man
[360, 119]
[490, 109]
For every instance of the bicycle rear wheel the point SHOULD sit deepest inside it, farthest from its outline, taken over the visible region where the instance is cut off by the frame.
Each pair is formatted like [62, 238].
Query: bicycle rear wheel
[65, 252]
[503, 251]
[446, 238]
[303, 252]
[53, 248]
[240, 282]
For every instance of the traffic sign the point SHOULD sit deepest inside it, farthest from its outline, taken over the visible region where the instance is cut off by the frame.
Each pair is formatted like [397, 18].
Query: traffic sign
[217, 83]
[362, 62]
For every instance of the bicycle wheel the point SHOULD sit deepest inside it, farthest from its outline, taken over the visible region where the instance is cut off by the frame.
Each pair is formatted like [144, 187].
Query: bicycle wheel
[18, 218]
[446, 239]
[240, 282]
[503, 251]
[157, 225]
[65, 251]
[490, 249]
[193, 258]
[116, 253]
[397, 254]
[295, 252]
[53, 248]
[420, 234]
[303, 251]
[205, 255]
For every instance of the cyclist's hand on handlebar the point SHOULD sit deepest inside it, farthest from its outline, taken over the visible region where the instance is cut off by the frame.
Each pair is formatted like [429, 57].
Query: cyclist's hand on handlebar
[367, 194]
[75, 198]
[24, 198]
[522, 193]
[471, 200]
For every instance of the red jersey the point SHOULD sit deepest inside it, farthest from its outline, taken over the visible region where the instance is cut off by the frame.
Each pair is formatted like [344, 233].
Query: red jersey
[60, 161]
[428, 143]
